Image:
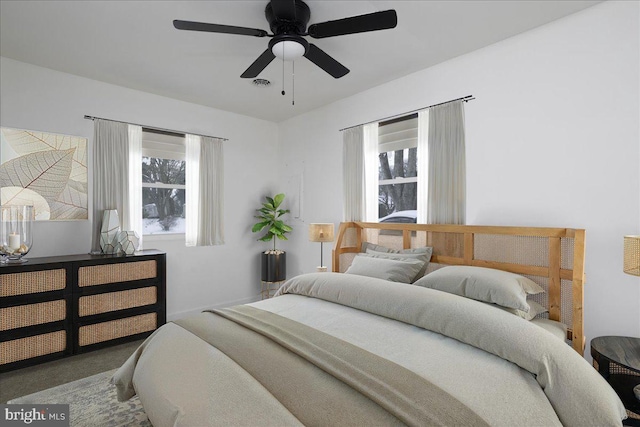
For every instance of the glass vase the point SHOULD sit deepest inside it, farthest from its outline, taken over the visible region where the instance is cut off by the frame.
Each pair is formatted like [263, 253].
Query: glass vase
[16, 237]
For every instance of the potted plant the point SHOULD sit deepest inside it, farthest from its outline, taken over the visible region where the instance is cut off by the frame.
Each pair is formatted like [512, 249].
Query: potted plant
[274, 267]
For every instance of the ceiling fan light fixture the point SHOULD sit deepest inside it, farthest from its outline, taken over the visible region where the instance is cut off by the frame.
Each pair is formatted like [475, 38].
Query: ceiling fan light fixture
[288, 50]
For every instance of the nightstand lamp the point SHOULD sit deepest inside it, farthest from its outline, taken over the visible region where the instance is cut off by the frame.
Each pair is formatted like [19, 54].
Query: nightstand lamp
[632, 255]
[321, 232]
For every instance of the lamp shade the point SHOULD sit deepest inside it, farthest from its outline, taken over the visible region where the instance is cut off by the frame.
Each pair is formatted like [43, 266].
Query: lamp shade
[321, 232]
[632, 255]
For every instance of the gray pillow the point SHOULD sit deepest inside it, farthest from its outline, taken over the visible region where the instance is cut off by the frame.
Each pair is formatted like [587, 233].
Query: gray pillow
[534, 310]
[559, 330]
[423, 256]
[483, 284]
[366, 246]
[388, 269]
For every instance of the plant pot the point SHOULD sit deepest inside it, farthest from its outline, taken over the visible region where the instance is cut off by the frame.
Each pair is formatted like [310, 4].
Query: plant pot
[274, 267]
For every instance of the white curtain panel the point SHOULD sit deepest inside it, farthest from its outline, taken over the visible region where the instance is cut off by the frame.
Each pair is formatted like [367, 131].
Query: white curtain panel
[211, 203]
[133, 217]
[371, 173]
[353, 173]
[110, 173]
[423, 166]
[192, 181]
[205, 191]
[447, 165]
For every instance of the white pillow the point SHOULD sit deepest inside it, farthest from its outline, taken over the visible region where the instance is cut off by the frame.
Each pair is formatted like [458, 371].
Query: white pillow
[483, 284]
[388, 269]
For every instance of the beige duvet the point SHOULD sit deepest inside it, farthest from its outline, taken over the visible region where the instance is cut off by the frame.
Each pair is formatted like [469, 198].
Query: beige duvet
[501, 368]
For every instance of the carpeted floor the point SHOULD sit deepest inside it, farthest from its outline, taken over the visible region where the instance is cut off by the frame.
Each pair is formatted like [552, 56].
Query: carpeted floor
[92, 402]
[44, 376]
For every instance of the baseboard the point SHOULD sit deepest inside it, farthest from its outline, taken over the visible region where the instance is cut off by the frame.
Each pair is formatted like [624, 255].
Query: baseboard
[181, 314]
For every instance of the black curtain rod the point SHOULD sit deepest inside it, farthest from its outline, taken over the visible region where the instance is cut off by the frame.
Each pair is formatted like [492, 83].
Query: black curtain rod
[155, 128]
[464, 99]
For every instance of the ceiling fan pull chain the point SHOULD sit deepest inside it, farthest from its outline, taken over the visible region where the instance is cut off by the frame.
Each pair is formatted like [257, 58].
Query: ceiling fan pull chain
[293, 82]
[282, 70]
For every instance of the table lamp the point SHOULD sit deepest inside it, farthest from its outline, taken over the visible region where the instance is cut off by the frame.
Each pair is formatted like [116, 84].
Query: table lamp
[632, 255]
[632, 266]
[321, 232]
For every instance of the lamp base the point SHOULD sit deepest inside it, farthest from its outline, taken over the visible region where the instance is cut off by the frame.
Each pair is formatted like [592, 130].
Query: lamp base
[321, 269]
[14, 261]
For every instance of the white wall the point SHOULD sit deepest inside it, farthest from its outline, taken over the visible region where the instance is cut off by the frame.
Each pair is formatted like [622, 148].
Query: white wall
[37, 98]
[552, 140]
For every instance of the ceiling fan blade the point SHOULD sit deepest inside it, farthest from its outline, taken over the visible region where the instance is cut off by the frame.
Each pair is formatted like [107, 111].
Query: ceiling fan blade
[324, 61]
[355, 24]
[284, 9]
[216, 28]
[258, 65]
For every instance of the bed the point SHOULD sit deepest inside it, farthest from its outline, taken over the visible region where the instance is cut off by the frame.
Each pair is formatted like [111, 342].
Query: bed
[389, 339]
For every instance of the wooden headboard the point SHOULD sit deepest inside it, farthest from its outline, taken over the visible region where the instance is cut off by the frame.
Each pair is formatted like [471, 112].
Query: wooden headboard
[552, 257]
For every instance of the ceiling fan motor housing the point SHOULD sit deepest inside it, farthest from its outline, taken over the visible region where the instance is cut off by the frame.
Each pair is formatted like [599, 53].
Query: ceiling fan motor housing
[281, 21]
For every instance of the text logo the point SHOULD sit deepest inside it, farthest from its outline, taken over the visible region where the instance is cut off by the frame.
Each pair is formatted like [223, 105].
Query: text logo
[34, 415]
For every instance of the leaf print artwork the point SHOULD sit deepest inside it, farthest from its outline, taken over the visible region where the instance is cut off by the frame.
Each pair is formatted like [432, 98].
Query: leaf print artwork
[24, 196]
[48, 171]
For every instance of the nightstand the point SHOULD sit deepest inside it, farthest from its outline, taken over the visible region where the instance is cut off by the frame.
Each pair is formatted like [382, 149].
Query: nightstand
[618, 361]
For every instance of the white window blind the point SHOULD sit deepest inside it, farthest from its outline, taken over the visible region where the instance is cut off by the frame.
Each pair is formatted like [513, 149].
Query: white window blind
[399, 135]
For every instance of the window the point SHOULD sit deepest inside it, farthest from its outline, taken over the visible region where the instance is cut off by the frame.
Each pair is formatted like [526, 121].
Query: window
[163, 183]
[398, 171]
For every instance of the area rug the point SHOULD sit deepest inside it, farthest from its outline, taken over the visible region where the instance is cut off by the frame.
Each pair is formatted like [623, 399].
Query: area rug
[92, 402]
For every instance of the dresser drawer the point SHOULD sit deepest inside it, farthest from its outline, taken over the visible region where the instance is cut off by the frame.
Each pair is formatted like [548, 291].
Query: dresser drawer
[31, 282]
[33, 346]
[21, 316]
[113, 329]
[113, 301]
[95, 275]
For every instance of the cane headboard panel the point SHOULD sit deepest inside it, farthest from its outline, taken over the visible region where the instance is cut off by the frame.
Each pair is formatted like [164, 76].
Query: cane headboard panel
[552, 257]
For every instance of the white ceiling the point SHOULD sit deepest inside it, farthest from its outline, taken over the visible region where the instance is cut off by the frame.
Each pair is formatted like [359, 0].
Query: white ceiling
[134, 44]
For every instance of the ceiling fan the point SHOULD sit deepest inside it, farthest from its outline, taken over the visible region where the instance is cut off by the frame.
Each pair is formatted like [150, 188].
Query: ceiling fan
[288, 21]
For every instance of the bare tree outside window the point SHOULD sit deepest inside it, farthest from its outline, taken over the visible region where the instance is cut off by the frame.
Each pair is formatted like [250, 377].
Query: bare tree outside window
[163, 195]
[398, 185]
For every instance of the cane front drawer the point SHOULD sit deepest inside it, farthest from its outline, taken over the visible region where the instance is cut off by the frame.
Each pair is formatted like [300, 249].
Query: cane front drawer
[113, 301]
[21, 316]
[31, 282]
[118, 272]
[31, 347]
[113, 329]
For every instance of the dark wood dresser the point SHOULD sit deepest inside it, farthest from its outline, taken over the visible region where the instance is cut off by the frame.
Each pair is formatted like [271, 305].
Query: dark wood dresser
[54, 307]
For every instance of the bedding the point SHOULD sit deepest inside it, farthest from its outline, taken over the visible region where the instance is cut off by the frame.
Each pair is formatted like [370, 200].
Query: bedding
[493, 365]
[483, 284]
